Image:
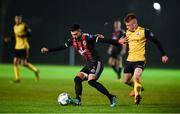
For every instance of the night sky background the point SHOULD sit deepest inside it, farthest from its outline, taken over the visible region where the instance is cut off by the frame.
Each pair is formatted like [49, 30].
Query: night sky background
[51, 19]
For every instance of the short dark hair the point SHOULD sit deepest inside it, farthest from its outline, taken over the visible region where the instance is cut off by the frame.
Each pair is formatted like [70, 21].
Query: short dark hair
[74, 27]
[129, 17]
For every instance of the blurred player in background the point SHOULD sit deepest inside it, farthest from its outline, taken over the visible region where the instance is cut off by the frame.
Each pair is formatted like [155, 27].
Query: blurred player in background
[116, 53]
[84, 44]
[21, 51]
[137, 39]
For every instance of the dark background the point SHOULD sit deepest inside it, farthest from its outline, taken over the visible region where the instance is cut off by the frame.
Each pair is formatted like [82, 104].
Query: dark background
[50, 20]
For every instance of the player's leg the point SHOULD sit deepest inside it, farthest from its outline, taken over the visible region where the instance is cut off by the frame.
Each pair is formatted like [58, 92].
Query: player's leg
[78, 85]
[118, 64]
[16, 62]
[93, 76]
[93, 82]
[28, 64]
[112, 63]
[128, 74]
[128, 79]
[137, 82]
[30, 67]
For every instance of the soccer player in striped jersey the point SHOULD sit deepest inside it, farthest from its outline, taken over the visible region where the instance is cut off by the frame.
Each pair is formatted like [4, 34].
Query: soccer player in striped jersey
[84, 44]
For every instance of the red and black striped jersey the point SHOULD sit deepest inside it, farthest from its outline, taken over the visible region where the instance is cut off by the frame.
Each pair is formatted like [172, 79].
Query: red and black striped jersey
[85, 46]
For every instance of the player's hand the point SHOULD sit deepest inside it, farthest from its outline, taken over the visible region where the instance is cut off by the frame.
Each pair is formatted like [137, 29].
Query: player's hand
[164, 59]
[99, 35]
[44, 50]
[122, 40]
[7, 39]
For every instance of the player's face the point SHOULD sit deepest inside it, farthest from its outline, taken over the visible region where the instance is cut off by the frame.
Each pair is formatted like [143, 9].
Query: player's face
[18, 19]
[132, 25]
[117, 25]
[76, 34]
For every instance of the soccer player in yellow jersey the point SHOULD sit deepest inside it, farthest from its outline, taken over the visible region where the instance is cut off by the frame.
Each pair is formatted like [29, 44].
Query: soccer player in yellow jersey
[137, 39]
[21, 51]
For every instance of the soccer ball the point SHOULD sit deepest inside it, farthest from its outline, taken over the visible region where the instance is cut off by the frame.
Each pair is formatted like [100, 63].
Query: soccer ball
[63, 98]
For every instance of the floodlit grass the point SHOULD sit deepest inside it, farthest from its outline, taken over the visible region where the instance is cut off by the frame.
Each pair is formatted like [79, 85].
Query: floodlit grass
[162, 91]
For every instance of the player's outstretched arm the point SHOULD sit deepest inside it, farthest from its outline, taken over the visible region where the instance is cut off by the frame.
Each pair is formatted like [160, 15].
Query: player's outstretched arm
[59, 48]
[47, 50]
[150, 36]
[121, 41]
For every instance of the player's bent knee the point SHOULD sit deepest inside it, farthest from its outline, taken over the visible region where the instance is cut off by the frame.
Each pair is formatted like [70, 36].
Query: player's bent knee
[137, 74]
[92, 82]
[77, 79]
[92, 77]
[15, 62]
[138, 71]
[111, 61]
[80, 75]
[25, 64]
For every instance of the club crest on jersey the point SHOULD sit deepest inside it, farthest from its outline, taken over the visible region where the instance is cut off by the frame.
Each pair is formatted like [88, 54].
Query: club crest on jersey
[138, 33]
[84, 42]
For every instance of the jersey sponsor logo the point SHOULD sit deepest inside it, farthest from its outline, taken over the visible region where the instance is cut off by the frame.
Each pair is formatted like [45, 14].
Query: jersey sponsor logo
[81, 51]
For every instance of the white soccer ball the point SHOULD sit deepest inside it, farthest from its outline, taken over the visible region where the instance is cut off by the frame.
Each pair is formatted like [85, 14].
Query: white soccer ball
[63, 98]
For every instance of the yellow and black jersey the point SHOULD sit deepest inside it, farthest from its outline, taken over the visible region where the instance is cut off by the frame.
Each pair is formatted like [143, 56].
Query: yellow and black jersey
[21, 32]
[137, 41]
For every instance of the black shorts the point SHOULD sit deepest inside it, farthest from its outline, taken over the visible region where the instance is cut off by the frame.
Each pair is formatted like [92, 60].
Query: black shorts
[115, 52]
[129, 67]
[93, 68]
[21, 53]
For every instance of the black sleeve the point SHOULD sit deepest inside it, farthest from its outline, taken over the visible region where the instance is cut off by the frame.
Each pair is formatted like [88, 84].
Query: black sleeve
[28, 31]
[108, 41]
[95, 39]
[62, 47]
[150, 36]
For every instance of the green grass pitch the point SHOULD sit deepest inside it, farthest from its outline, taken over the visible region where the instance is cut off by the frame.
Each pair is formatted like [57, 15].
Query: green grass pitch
[162, 91]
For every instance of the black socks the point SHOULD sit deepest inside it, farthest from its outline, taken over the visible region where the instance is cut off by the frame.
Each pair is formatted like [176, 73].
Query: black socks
[100, 88]
[78, 87]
